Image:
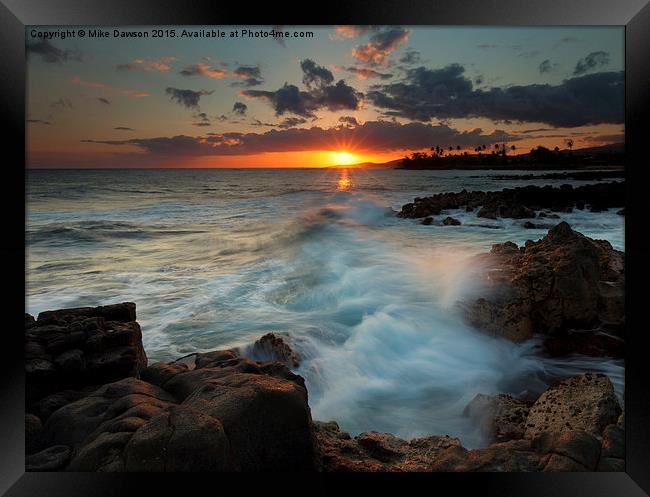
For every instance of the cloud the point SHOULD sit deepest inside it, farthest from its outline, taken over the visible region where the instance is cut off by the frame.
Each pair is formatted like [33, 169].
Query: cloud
[363, 73]
[291, 122]
[240, 108]
[62, 104]
[447, 93]
[349, 120]
[290, 99]
[203, 119]
[410, 57]
[87, 84]
[162, 64]
[315, 75]
[135, 93]
[104, 100]
[203, 70]
[38, 121]
[49, 53]
[376, 136]
[613, 138]
[381, 45]
[346, 32]
[547, 66]
[251, 76]
[591, 61]
[187, 98]
[123, 128]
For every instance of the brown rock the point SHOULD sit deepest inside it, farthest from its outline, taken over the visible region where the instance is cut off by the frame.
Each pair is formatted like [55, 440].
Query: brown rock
[273, 347]
[267, 420]
[581, 448]
[51, 459]
[179, 439]
[501, 417]
[563, 281]
[586, 402]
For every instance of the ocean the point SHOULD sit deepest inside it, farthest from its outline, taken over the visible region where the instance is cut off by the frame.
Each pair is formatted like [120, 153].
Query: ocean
[215, 258]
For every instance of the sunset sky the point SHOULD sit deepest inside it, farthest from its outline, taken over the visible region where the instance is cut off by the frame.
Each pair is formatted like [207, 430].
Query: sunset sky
[349, 94]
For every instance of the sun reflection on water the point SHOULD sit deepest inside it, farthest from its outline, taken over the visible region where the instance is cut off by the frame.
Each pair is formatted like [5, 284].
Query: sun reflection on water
[344, 182]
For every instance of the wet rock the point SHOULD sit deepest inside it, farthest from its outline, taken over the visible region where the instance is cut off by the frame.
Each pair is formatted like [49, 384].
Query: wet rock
[563, 281]
[273, 347]
[267, 420]
[427, 221]
[501, 417]
[70, 349]
[585, 343]
[124, 312]
[77, 423]
[536, 226]
[450, 221]
[586, 402]
[53, 458]
[568, 451]
[179, 439]
[548, 215]
[519, 203]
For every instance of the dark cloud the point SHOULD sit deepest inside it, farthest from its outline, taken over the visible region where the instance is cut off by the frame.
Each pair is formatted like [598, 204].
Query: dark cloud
[376, 136]
[381, 45]
[123, 128]
[187, 98]
[447, 93]
[251, 76]
[410, 57]
[240, 108]
[38, 121]
[49, 53]
[291, 122]
[350, 120]
[104, 100]
[203, 119]
[366, 73]
[547, 66]
[62, 104]
[615, 138]
[591, 61]
[315, 75]
[203, 70]
[290, 99]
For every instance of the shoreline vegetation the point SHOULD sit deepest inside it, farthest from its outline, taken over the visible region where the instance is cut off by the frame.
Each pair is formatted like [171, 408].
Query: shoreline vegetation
[94, 403]
[502, 156]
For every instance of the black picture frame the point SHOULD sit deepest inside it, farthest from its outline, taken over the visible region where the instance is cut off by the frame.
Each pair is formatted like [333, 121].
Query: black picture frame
[633, 14]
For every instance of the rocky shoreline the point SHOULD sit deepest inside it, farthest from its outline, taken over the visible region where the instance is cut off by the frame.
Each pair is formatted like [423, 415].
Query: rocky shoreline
[521, 202]
[95, 404]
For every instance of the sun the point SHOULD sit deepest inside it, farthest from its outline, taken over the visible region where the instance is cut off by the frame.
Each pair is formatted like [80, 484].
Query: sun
[343, 158]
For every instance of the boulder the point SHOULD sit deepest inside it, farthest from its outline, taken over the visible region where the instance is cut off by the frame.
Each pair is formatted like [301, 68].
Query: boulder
[450, 221]
[178, 439]
[53, 458]
[427, 221]
[266, 419]
[563, 281]
[573, 450]
[501, 417]
[586, 402]
[273, 347]
[70, 349]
